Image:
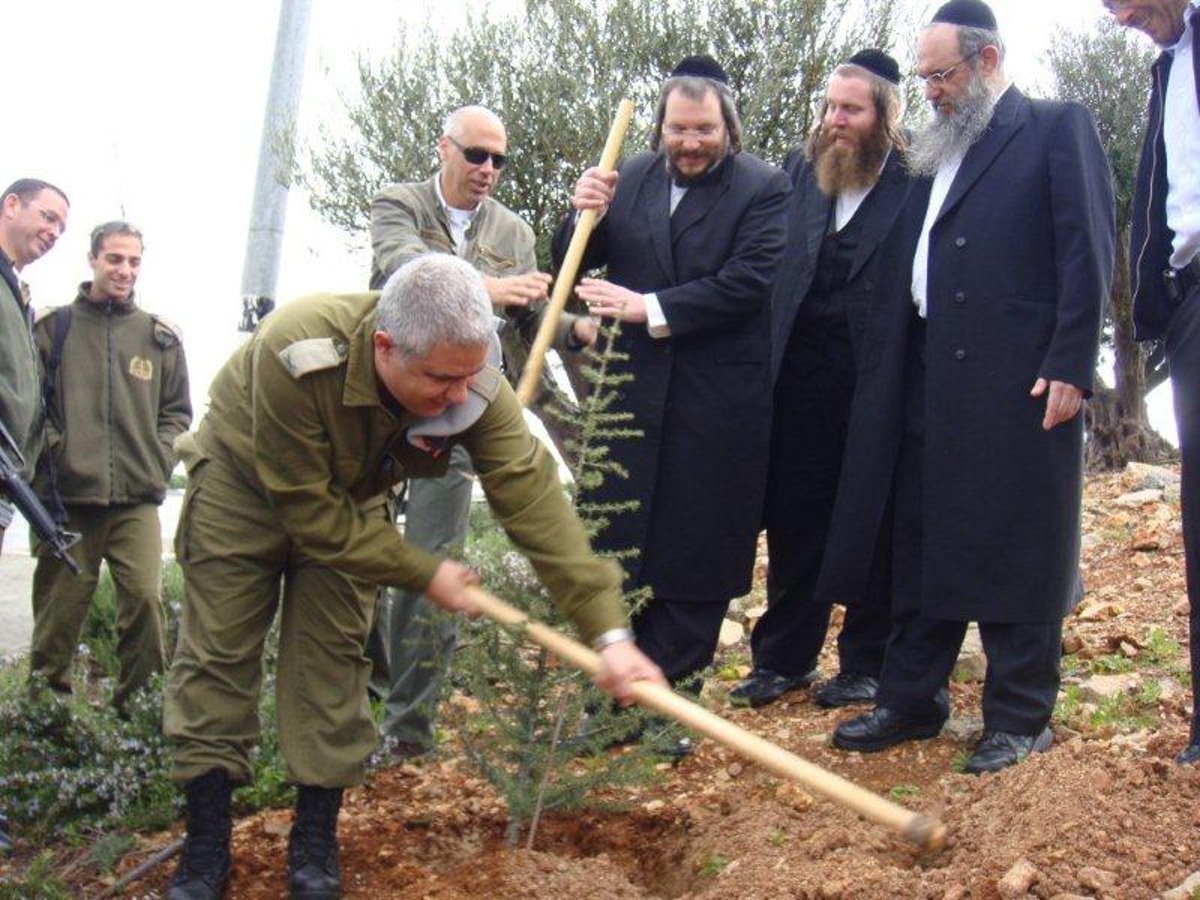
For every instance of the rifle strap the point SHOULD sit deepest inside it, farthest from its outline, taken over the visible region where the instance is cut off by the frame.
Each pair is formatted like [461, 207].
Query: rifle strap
[62, 324]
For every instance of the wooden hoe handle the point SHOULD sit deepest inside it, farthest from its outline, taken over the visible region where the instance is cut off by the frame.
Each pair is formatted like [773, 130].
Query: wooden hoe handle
[924, 830]
[527, 386]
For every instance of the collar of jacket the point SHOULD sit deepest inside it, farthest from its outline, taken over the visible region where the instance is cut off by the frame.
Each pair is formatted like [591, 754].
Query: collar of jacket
[109, 306]
[362, 388]
[478, 216]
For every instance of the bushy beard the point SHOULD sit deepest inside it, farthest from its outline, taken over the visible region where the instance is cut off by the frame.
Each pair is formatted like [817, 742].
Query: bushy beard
[949, 137]
[841, 168]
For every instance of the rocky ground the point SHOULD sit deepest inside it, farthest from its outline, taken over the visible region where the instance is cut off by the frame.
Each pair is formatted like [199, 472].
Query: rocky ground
[1104, 814]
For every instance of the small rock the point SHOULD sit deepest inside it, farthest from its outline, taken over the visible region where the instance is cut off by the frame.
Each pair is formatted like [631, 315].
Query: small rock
[754, 613]
[1017, 881]
[972, 663]
[1071, 643]
[958, 892]
[732, 634]
[1172, 494]
[1143, 584]
[1070, 897]
[1136, 741]
[1139, 498]
[1143, 473]
[1103, 687]
[1169, 690]
[735, 769]
[1186, 890]
[1097, 879]
[1097, 612]
[653, 806]
[963, 728]
[1127, 649]
[1145, 541]
[1182, 607]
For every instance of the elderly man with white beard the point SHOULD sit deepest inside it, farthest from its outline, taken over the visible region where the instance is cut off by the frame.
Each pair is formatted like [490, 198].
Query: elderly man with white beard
[1003, 260]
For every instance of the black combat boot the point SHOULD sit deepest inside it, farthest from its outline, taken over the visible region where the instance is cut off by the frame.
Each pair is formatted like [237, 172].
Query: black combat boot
[312, 846]
[204, 863]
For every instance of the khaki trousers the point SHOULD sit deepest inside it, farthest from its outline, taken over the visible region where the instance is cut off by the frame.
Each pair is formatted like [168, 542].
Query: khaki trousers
[129, 539]
[239, 568]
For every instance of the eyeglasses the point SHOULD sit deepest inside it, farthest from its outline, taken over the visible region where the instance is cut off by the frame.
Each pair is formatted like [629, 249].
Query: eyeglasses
[703, 132]
[477, 156]
[937, 79]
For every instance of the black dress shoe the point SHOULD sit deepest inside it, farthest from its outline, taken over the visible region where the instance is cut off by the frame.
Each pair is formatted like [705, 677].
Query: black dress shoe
[1189, 754]
[845, 689]
[998, 750]
[882, 728]
[763, 686]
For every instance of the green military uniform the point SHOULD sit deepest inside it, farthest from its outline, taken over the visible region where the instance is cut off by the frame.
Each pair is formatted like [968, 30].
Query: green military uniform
[414, 637]
[288, 474]
[20, 384]
[120, 398]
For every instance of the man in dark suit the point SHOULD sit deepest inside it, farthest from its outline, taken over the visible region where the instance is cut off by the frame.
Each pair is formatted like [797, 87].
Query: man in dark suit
[692, 233]
[850, 182]
[1003, 262]
[1164, 254]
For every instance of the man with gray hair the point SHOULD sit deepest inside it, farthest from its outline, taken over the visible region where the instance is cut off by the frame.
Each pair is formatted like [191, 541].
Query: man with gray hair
[332, 401]
[691, 233]
[453, 212]
[1002, 259]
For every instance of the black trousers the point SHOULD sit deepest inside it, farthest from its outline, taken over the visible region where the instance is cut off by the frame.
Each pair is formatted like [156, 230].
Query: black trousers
[680, 636]
[1022, 678]
[813, 396]
[1183, 357]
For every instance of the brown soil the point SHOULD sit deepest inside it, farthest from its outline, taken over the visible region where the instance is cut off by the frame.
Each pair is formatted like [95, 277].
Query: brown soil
[1105, 813]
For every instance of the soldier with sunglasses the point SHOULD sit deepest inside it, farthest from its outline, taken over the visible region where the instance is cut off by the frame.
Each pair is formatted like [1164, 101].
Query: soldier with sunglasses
[452, 212]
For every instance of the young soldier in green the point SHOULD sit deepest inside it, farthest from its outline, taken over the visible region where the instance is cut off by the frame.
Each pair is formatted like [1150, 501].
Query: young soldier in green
[118, 399]
[332, 401]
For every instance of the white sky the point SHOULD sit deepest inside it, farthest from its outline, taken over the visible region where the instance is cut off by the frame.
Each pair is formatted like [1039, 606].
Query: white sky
[153, 110]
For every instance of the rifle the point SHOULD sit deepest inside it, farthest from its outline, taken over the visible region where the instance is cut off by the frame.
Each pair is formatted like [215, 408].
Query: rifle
[17, 489]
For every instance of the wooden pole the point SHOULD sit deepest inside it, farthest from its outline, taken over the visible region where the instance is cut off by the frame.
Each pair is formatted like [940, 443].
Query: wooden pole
[924, 830]
[527, 387]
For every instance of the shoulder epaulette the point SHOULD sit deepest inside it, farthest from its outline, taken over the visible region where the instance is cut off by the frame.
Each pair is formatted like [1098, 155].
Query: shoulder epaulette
[166, 333]
[312, 355]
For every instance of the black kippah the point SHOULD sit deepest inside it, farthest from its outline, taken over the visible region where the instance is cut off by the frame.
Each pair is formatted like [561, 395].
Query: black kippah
[700, 66]
[968, 13]
[878, 63]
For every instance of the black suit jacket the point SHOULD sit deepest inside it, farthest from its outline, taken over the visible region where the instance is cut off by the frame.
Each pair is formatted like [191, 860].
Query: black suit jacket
[701, 398]
[807, 221]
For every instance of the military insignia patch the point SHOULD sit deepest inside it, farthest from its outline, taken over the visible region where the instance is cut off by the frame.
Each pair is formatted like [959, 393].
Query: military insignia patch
[141, 368]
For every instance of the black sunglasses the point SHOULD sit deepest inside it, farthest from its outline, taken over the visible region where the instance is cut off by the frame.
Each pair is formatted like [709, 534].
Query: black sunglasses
[477, 156]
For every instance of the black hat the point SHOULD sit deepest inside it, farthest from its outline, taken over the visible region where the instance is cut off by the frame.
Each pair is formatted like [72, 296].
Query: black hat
[968, 13]
[700, 66]
[878, 63]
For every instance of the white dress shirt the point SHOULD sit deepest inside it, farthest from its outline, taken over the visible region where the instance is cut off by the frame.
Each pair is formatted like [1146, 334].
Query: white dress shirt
[1181, 134]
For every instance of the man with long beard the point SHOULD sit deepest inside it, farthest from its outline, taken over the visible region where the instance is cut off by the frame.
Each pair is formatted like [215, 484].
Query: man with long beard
[692, 234]
[850, 182]
[1003, 260]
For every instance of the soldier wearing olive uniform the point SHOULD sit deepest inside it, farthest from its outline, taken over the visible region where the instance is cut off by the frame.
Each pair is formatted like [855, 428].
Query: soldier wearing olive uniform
[333, 401]
[33, 215]
[118, 398]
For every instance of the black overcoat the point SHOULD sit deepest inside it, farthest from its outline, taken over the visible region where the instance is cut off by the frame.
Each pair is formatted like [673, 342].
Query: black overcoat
[1020, 263]
[701, 397]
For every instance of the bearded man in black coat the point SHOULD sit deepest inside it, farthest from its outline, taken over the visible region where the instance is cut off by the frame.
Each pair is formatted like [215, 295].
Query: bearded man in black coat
[691, 234]
[850, 182]
[1003, 260]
